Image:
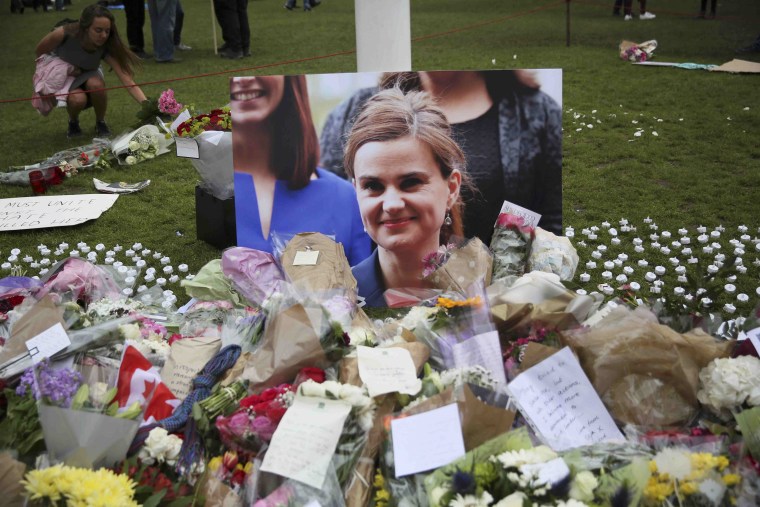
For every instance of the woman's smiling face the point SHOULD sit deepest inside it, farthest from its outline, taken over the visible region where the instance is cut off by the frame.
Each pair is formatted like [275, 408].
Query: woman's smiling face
[403, 197]
[254, 99]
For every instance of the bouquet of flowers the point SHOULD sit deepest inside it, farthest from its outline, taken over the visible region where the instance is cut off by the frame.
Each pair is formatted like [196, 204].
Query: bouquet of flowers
[219, 120]
[637, 52]
[730, 384]
[61, 165]
[510, 244]
[145, 143]
[80, 486]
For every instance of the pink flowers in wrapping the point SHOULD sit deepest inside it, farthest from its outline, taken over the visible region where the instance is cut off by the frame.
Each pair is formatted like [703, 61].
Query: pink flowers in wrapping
[167, 104]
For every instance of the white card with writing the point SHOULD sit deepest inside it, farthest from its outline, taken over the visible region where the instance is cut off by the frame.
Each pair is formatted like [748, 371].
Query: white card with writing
[428, 440]
[754, 336]
[22, 213]
[557, 398]
[531, 218]
[49, 342]
[387, 370]
[305, 440]
[484, 350]
[306, 258]
[187, 147]
[182, 118]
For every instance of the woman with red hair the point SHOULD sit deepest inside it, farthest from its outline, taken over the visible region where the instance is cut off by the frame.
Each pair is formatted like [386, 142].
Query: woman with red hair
[278, 186]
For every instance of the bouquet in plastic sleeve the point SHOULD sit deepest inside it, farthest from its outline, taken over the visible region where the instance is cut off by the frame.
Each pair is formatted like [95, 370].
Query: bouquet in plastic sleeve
[62, 164]
[79, 414]
[212, 132]
[634, 362]
[552, 254]
[459, 268]
[511, 240]
[144, 143]
[637, 51]
[729, 385]
[254, 274]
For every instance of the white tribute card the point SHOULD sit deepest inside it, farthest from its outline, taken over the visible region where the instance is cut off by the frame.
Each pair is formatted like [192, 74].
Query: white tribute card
[531, 217]
[304, 442]
[484, 350]
[187, 147]
[428, 440]
[387, 370]
[49, 342]
[558, 400]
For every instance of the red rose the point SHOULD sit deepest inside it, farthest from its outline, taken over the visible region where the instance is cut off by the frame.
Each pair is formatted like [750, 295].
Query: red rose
[309, 373]
[238, 477]
[275, 413]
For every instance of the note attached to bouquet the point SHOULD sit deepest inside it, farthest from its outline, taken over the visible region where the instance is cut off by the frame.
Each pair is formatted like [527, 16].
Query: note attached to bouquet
[485, 350]
[387, 370]
[48, 343]
[558, 400]
[305, 440]
[187, 147]
[531, 217]
[428, 440]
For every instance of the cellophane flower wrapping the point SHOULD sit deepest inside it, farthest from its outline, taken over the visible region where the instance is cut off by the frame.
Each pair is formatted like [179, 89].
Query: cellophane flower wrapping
[510, 244]
[144, 143]
[730, 384]
[214, 164]
[553, 254]
[66, 162]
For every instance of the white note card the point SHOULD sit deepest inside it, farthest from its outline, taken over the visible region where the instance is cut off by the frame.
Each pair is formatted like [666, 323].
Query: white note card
[52, 340]
[484, 350]
[428, 440]
[305, 441]
[559, 401]
[306, 258]
[187, 147]
[754, 336]
[531, 217]
[181, 118]
[387, 370]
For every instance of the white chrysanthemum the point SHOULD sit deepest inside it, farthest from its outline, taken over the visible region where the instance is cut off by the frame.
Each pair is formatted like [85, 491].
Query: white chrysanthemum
[483, 500]
[674, 462]
[516, 499]
[418, 315]
[583, 486]
[729, 383]
[514, 459]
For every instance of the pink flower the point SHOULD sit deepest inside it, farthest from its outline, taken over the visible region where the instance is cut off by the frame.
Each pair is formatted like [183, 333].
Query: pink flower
[167, 104]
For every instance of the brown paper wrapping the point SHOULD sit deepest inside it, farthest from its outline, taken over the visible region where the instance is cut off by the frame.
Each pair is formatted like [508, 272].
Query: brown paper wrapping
[535, 353]
[289, 344]
[236, 371]
[40, 317]
[332, 270]
[218, 494]
[349, 367]
[480, 421]
[11, 474]
[646, 373]
[187, 357]
[469, 264]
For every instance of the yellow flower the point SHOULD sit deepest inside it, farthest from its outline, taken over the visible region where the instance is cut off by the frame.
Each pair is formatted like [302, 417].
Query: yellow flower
[379, 481]
[658, 491]
[450, 303]
[382, 495]
[215, 463]
[731, 479]
[722, 463]
[688, 488]
[653, 466]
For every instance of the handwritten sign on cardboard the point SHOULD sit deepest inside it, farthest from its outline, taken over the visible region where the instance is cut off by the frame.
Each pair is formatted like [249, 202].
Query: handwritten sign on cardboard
[22, 213]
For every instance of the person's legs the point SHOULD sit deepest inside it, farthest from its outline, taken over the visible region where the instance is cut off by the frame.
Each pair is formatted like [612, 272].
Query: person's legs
[98, 97]
[227, 15]
[616, 8]
[642, 6]
[627, 4]
[245, 29]
[178, 22]
[75, 104]
[162, 15]
[134, 11]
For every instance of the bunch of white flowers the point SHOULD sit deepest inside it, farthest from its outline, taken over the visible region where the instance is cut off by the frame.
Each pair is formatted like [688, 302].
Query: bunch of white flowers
[477, 375]
[355, 396]
[729, 383]
[160, 447]
[143, 146]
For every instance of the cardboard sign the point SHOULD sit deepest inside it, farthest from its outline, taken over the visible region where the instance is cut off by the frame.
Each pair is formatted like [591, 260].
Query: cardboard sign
[23, 213]
[557, 399]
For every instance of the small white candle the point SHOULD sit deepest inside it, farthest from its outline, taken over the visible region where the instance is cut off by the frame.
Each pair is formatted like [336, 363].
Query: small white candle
[730, 288]
[592, 236]
[129, 253]
[100, 247]
[168, 270]
[606, 224]
[679, 291]
[638, 241]
[118, 264]
[665, 250]
[707, 249]
[628, 270]
[165, 260]
[729, 308]
[654, 237]
[715, 234]
[74, 253]
[681, 270]
[145, 252]
[137, 246]
[741, 269]
[615, 241]
[585, 277]
[581, 292]
[621, 278]
[109, 260]
[647, 220]
[596, 254]
[182, 268]
[682, 279]
[643, 263]
[161, 281]
[742, 297]
[659, 270]
[635, 286]
[607, 275]
[650, 277]
[686, 251]
[118, 248]
[127, 291]
[606, 289]
[609, 265]
[655, 245]
[638, 249]
[674, 261]
[149, 277]
[666, 234]
[140, 263]
[591, 265]
[142, 288]
[157, 255]
[712, 269]
[705, 301]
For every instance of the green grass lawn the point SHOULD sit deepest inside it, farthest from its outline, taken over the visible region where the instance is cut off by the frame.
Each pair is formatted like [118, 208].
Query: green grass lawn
[702, 167]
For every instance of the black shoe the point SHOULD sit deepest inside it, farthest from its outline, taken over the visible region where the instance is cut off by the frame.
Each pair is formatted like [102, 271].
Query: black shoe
[246, 52]
[141, 54]
[222, 48]
[101, 129]
[74, 129]
[170, 60]
[231, 54]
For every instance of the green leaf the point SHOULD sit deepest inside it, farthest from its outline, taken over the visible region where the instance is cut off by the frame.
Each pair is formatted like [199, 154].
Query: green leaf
[155, 500]
[109, 396]
[82, 394]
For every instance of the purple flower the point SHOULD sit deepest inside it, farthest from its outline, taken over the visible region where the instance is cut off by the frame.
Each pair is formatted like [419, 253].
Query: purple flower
[54, 386]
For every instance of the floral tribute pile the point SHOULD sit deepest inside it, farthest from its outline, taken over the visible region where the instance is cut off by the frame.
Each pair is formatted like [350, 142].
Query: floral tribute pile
[274, 387]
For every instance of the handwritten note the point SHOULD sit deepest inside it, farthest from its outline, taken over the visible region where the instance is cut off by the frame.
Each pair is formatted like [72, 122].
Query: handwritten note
[22, 213]
[561, 404]
[531, 218]
[52, 340]
[387, 370]
[428, 440]
[484, 350]
[305, 440]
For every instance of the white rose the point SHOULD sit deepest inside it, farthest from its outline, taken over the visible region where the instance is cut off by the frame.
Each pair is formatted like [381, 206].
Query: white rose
[134, 145]
[130, 160]
[332, 389]
[311, 388]
[583, 486]
[98, 392]
[436, 495]
[130, 331]
[361, 336]
[148, 154]
[516, 499]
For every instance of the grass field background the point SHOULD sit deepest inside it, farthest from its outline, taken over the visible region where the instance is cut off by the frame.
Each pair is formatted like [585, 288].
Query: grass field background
[702, 167]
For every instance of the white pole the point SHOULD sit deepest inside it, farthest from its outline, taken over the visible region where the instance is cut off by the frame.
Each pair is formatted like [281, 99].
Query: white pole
[213, 27]
[383, 35]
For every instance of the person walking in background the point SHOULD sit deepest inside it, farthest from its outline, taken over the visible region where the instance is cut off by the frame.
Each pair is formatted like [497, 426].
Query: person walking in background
[703, 9]
[628, 7]
[135, 14]
[307, 4]
[178, 22]
[163, 14]
[232, 16]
